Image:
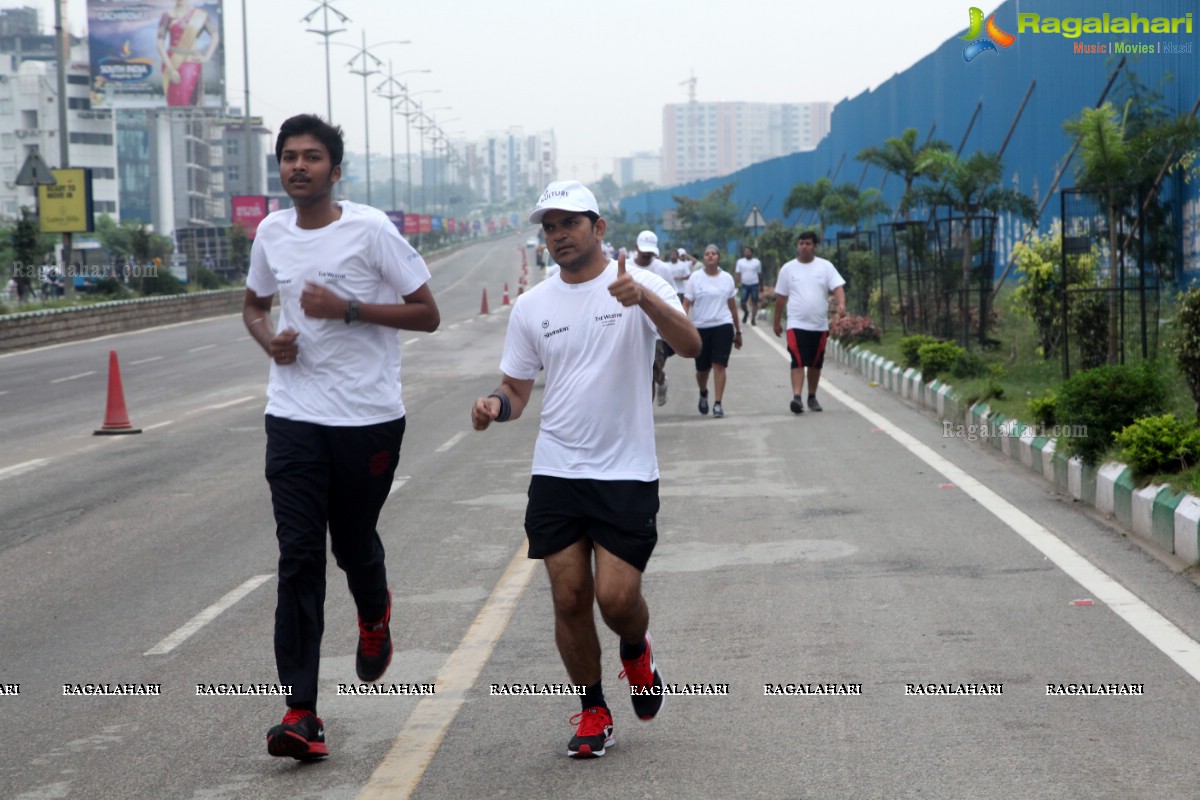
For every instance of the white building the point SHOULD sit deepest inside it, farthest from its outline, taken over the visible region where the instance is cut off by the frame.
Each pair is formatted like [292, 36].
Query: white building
[639, 167]
[706, 140]
[29, 123]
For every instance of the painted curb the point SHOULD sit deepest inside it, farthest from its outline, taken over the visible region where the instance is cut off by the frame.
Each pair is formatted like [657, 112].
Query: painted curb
[1166, 520]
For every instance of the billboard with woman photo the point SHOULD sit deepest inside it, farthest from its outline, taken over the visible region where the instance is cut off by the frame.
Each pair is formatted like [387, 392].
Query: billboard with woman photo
[156, 53]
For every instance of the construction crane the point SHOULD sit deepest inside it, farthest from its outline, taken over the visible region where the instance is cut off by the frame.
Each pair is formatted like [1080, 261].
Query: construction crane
[691, 84]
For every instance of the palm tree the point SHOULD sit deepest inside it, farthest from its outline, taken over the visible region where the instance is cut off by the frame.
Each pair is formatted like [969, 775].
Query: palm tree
[901, 156]
[849, 207]
[970, 187]
[809, 197]
[1115, 161]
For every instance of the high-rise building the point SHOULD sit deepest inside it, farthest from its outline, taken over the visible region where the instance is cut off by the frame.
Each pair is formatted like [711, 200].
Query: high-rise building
[510, 166]
[29, 118]
[707, 140]
[638, 168]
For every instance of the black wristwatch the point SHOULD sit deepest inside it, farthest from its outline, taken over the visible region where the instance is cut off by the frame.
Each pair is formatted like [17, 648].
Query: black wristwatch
[351, 311]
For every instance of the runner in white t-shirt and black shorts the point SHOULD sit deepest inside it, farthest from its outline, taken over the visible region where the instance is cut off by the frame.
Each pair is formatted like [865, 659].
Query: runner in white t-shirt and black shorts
[804, 286]
[708, 297]
[594, 490]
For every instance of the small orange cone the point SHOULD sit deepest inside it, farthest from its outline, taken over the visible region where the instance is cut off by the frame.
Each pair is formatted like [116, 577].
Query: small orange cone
[483, 309]
[116, 418]
[505, 300]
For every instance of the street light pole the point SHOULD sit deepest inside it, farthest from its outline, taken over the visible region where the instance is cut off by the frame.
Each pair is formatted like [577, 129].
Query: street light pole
[408, 115]
[397, 90]
[365, 70]
[325, 8]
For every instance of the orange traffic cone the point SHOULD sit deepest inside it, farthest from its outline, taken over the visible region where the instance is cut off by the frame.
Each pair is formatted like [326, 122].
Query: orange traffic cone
[505, 300]
[116, 418]
[483, 309]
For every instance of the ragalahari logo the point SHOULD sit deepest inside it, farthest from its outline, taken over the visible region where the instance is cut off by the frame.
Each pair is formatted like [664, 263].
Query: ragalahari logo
[979, 42]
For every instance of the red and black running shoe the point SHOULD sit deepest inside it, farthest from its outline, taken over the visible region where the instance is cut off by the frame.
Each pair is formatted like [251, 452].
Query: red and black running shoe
[301, 736]
[374, 647]
[645, 683]
[594, 734]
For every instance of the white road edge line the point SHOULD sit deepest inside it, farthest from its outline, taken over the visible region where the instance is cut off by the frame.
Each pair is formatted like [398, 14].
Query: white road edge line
[23, 467]
[145, 360]
[73, 377]
[202, 347]
[407, 342]
[453, 440]
[206, 616]
[226, 404]
[159, 425]
[398, 774]
[397, 482]
[1157, 629]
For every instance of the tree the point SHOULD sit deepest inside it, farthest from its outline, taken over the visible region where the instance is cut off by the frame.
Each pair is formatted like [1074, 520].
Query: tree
[29, 250]
[713, 219]
[607, 193]
[810, 197]
[239, 246]
[901, 156]
[1118, 160]
[970, 187]
[849, 207]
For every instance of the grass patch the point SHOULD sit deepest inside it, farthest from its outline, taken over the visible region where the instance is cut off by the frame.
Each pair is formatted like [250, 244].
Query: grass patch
[1021, 373]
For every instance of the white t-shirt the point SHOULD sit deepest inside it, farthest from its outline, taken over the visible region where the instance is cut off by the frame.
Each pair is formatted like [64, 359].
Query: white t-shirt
[597, 419]
[807, 287]
[344, 374]
[749, 269]
[709, 295]
[680, 272]
[657, 266]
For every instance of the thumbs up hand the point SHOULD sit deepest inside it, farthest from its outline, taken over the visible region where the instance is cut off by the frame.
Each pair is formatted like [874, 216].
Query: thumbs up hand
[627, 291]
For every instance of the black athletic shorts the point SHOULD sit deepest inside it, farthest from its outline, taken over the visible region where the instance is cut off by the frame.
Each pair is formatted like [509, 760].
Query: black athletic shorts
[620, 516]
[715, 346]
[807, 348]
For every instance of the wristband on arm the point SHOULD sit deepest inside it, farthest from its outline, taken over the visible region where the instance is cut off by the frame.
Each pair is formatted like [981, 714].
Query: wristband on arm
[505, 406]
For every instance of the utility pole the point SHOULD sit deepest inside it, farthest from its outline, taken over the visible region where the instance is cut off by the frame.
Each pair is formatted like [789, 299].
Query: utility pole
[325, 8]
[64, 135]
[397, 90]
[365, 70]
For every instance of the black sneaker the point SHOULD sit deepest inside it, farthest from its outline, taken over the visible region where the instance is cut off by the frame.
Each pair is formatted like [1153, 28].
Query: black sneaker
[703, 404]
[745, 316]
[813, 405]
[796, 406]
[717, 410]
[374, 647]
[643, 675]
[301, 736]
[594, 734]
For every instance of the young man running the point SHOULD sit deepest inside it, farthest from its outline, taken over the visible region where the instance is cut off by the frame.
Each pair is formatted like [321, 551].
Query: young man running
[594, 490]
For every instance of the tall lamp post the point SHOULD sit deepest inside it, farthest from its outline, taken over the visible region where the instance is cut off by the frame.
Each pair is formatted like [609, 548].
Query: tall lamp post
[431, 125]
[414, 110]
[364, 69]
[394, 90]
[439, 174]
[325, 7]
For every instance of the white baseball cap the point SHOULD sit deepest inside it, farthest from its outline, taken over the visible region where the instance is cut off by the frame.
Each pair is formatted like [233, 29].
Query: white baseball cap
[647, 242]
[564, 196]
[682, 252]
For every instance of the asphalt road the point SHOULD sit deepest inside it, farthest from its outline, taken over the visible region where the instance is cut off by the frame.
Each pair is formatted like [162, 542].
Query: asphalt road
[832, 548]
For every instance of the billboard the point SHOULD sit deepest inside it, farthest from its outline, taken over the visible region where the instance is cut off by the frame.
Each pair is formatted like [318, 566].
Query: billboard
[397, 218]
[249, 211]
[156, 53]
[66, 207]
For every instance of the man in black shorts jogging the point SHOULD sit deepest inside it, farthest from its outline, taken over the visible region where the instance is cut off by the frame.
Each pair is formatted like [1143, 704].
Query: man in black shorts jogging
[594, 490]
[804, 286]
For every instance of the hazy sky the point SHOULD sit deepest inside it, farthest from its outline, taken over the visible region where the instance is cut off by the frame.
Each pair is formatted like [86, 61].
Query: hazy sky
[597, 73]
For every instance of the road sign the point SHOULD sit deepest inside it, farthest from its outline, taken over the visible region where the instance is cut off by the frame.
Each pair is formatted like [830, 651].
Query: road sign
[34, 172]
[755, 219]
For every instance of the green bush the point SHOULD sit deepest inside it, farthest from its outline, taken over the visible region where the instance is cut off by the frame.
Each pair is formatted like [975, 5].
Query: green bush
[1090, 321]
[1104, 400]
[969, 365]
[936, 358]
[910, 347]
[1159, 444]
[163, 283]
[207, 279]
[1043, 409]
[111, 287]
[1187, 341]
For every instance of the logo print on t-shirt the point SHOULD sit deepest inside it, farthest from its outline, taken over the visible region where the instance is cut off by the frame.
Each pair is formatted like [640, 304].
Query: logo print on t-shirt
[545, 324]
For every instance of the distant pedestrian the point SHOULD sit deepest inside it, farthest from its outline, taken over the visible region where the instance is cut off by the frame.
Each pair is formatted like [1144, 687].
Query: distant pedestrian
[647, 258]
[804, 286]
[346, 281]
[748, 273]
[681, 269]
[709, 298]
[593, 496]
